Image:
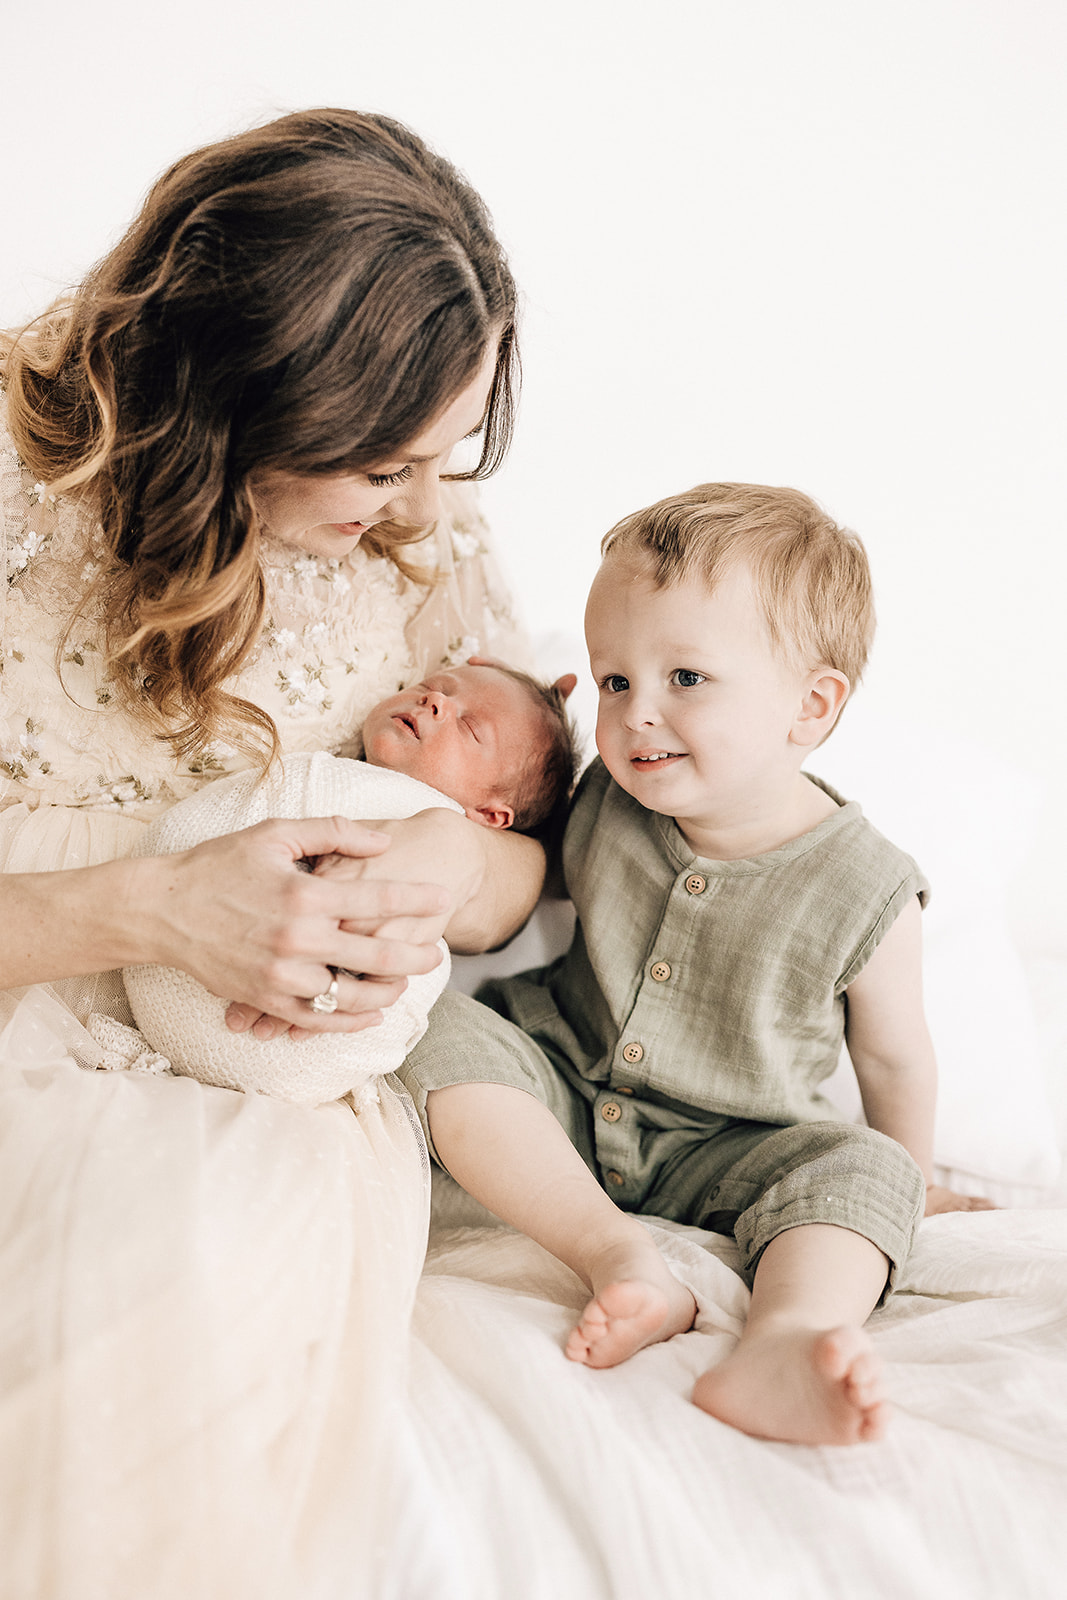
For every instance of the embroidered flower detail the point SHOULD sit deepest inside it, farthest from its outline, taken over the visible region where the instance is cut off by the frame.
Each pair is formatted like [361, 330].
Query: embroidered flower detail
[77, 653]
[333, 574]
[466, 545]
[24, 762]
[281, 639]
[125, 791]
[305, 568]
[40, 493]
[20, 552]
[206, 761]
[305, 686]
[460, 649]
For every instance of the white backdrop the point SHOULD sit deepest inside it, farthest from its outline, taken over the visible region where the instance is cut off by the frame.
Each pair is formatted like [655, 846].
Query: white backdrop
[798, 241]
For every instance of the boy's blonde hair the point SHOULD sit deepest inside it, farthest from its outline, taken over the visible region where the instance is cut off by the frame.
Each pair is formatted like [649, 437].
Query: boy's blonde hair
[811, 576]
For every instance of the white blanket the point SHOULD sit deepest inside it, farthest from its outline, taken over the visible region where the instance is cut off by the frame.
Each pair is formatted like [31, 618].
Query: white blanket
[549, 1481]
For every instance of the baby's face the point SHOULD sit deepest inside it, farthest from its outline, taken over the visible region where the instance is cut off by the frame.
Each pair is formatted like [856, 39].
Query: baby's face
[465, 730]
[696, 706]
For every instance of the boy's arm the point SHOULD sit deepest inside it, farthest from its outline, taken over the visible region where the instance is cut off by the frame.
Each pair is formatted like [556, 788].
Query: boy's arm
[892, 1052]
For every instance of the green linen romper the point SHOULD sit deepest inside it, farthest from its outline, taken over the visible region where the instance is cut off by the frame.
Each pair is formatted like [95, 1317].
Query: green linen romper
[682, 1039]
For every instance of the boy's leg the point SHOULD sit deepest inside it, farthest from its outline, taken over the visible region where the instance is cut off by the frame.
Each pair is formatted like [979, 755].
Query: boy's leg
[823, 1214]
[805, 1370]
[484, 1090]
[508, 1150]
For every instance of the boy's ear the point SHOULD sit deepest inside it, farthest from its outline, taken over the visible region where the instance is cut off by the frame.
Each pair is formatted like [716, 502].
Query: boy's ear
[566, 685]
[492, 815]
[825, 693]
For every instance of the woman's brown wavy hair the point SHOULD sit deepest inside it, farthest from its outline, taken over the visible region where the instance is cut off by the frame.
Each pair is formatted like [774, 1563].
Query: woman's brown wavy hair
[304, 297]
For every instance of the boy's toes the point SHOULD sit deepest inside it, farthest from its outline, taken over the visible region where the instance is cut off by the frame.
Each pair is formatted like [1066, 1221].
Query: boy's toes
[591, 1328]
[864, 1381]
[873, 1423]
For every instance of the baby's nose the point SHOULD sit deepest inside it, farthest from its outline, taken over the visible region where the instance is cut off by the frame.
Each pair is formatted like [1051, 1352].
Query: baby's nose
[438, 703]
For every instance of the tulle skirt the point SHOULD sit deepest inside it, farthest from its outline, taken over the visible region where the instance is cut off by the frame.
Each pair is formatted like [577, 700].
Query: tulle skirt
[205, 1299]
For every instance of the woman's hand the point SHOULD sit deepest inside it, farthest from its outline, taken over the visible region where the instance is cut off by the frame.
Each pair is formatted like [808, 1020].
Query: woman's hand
[490, 880]
[241, 915]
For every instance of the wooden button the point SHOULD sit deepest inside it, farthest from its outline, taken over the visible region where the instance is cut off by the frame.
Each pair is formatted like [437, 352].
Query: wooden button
[616, 1179]
[696, 883]
[660, 971]
[610, 1111]
[633, 1051]
[623, 1088]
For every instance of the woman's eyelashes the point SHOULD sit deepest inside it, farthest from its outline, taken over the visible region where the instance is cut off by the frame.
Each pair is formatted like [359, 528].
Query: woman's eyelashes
[388, 480]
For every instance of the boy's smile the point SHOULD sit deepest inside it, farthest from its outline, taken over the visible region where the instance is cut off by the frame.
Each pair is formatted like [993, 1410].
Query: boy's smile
[700, 717]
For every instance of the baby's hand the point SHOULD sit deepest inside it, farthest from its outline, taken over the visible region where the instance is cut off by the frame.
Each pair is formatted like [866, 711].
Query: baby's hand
[939, 1200]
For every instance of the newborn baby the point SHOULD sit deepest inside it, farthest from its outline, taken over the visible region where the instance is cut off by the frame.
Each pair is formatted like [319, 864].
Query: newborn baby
[494, 744]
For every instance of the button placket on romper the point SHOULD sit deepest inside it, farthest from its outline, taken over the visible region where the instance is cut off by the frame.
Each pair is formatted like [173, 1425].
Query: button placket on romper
[645, 1033]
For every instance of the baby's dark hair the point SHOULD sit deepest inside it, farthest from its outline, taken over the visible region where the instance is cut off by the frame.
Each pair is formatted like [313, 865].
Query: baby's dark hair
[545, 779]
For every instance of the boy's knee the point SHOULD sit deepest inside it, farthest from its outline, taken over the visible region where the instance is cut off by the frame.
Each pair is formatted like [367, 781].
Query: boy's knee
[846, 1176]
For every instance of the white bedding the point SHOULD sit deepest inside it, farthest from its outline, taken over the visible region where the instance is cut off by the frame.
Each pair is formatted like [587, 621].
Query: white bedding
[549, 1481]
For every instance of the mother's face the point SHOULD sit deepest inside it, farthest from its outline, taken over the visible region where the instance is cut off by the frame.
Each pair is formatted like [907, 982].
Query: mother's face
[327, 516]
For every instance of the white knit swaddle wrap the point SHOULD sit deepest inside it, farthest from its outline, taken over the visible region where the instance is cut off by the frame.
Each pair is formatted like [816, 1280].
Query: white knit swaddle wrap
[185, 1022]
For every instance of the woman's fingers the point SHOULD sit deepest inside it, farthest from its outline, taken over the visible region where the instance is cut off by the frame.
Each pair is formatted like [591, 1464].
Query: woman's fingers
[323, 836]
[360, 1003]
[373, 907]
[239, 914]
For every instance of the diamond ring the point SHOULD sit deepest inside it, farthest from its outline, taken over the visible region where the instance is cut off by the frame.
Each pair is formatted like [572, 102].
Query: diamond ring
[327, 1001]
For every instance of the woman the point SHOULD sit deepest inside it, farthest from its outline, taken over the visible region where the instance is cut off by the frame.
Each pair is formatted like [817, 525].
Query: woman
[221, 451]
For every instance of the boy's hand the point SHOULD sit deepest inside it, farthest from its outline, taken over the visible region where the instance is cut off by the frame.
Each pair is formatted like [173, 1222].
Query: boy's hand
[940, 1200]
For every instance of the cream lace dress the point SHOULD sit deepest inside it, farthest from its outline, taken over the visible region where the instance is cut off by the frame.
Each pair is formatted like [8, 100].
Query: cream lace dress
[204, 1295]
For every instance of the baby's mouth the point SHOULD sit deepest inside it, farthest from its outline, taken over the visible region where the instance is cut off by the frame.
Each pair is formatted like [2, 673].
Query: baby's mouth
[407, 721]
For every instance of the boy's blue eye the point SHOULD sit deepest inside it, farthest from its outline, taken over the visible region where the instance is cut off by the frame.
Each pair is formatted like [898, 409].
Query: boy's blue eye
[616, 683]
[684, 678]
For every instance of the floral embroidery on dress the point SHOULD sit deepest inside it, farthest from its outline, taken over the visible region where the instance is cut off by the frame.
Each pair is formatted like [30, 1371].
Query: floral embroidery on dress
[120, 792]
[20, 552]
[460, 649]
[23, 762]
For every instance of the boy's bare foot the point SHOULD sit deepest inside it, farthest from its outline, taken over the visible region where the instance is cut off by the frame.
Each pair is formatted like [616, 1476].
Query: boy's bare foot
[637, 1300]
[800, 1386]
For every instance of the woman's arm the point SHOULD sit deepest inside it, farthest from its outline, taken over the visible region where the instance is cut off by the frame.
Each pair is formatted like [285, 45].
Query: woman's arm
[238, 914]
[893, 1054]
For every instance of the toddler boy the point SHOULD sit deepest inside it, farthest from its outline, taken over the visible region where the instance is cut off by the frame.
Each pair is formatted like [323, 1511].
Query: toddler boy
[736, 919]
